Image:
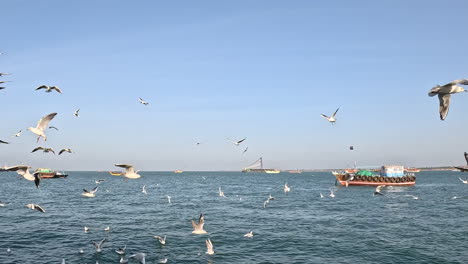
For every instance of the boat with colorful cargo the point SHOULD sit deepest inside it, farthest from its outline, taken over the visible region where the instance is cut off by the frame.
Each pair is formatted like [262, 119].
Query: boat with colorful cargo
[46, 173]
[389, 175]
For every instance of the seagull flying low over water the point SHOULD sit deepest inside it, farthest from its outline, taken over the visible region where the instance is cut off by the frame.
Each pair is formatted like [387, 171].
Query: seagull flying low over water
[378, 190]
[332, 118]
[123, 261]
[286, 188]
[86, 229]
[41, 126]
[444, 93]
[249, 234]
[141, 257]
[221, 193]
[121, 251]
[91, 193]
[98, 245]
[168, 198]
[17, 134]
[142, 101]
[45, 150]
[49, 89]
[198, 228]
[237, 143]
[162, 240]
[464, 181]
[144, 189]
[107, 229]
[23, 170]
[99, 181]
[209, 247]
[332, 194]
[412, 196]
[65, 150]
[129, 171]
[76, 112]
[2, 204]
[35, 207]
[464, 169]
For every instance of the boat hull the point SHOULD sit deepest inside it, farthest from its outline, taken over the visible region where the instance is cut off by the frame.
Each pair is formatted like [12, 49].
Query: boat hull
[347, 180]
[52, 175]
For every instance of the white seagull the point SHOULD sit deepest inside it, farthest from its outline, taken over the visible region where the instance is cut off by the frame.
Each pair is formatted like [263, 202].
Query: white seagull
[237, 143]
[35, 207]
[98, 245]
[86, 229]
[412, 196]
[76, 112]
[45, 150]
[144, 189]
[49, 89]
[142, 101]
[209, 247]
[198, 228]
[129, 171]
[91, 193]
[168, 198]
[162, 240]
[332, 118]
[65, 150]
[107, 229]
[249, 234]
[121, 251]
[378, 190]
[321, 195]
[286, 188]
[464, 181]
[444, 93]
[332, 194]
[140, 257]
[17, 134]
[23, 170]
[221, 193]
[41, 126]
[2, 204]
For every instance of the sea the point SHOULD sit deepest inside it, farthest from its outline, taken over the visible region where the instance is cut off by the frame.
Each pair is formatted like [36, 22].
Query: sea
[298, 227]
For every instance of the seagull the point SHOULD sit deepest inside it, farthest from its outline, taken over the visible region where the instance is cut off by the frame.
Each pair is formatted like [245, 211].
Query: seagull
[198, 228]
[17, 134]
[245, 150]
[237, 143]
[168, 198]
[2, 204]
[144, 189]
[76, 112]
[35, 207]
[8, 250]
[107, 229]
[464, 169]
[52, 127]
[444, 93]
[266, 203]
[129, 171]
[4, 73]
[65, 150]
[349, 179]
[123, 261]
[99, 181]
[209, 247]
[140, 257]
[49, 88]
[142, 101]
[321, 195]
[41, 126]
[162, 261]
[221, 193]
[4, 142]
[81, 251]
[286, 188]
[23, 170]
[464, 181]
[271, 197]
[90, 193]
[45, 150]
[249, 234]
[98, 246]
[332, 194]
[121, 251]
[86, 229]
[332, 118]
[378, 189]
[412, 196]
[162, 240]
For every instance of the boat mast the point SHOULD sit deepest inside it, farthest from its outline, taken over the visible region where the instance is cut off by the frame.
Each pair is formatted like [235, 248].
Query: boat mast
[261, 163]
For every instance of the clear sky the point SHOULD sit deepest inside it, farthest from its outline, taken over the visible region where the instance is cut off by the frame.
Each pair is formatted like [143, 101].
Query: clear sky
[213, 70]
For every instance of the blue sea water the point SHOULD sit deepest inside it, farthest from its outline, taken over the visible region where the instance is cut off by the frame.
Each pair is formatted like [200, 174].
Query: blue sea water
[301, 227]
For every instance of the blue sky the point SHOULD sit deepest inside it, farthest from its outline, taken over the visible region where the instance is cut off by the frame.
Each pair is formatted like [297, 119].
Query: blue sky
[264, 70]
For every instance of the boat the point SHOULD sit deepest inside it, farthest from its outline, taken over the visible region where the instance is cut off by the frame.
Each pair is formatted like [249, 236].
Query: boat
[389, 175]
[178, 171]
[46, 173]
[295, 171]
[257, 166]
[115, 173]
[412, 170]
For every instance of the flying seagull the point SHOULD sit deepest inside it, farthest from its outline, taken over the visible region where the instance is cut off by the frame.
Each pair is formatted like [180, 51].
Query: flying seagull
[286, 188]
[378, 190]
[332, 118]
[168, 199]
[122, 260]
[4, 81]
[209, 247]
[332, 194]
[464, 169]
[140, 257]
[98, 245]
[23, 170]
[121, 251]
[4, 73]
[237, 143]
[129, 171]
[86, 229]
[144, 189]
[444, 93]
[220, 192]
[76, 112]
[17, 134]
[162, 240]
[2, 204]
[35, 207]
[249, 234]
[351, 147]
[45, 150]
[90, 193]
[65, 150]
[49, 88]
[41, 126]
[142, 101]
[198, 228]
[464, 181]
[4, 142]
[107, 229]
[245, 150]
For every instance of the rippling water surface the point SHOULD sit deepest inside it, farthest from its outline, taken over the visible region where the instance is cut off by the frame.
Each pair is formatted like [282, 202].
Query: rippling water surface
[353, 227]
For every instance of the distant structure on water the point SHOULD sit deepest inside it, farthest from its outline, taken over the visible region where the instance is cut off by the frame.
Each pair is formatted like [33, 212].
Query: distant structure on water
[257, 166]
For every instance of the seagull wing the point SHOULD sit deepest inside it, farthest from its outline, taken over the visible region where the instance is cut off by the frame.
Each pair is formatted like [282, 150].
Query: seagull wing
[324, 116]
[444, 102]
[460, 81]
[462, 169]
[37, 179]
[62, 151]
[51, 150]
[336, 112]
[466, 157]
[21, 169]
[4, 142]
[42, 87]
[94, 190]
[56, 89]
[36, 149]
[128, 168]
[39, 208]
[240, 141]
[379, 188]
[44, 122]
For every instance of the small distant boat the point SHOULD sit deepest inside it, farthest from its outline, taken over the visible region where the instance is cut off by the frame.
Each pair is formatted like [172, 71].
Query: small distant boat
[115, 173]
[178, 171]
[389, 175]
[412, 170]
[295, 171]
[257, 166]
[46, 173]
[272, 171]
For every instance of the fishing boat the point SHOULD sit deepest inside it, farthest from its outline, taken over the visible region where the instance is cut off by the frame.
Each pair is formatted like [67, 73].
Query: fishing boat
[115, 173]
[295, 171]
[389, 175]
[178, 171]
[257, 166]
[412, 170]
[46, 173]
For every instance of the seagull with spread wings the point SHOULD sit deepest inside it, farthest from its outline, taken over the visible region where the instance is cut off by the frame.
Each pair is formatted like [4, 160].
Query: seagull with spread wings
[237, 143]
[45, 150]
[444, 92]
[23, 170]
[65, 150]
[464, 169]
[35, 207]
[331, 118]
[49, 89]
[198, 227]
[142, 101]
[129, 173]
[41, 126]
